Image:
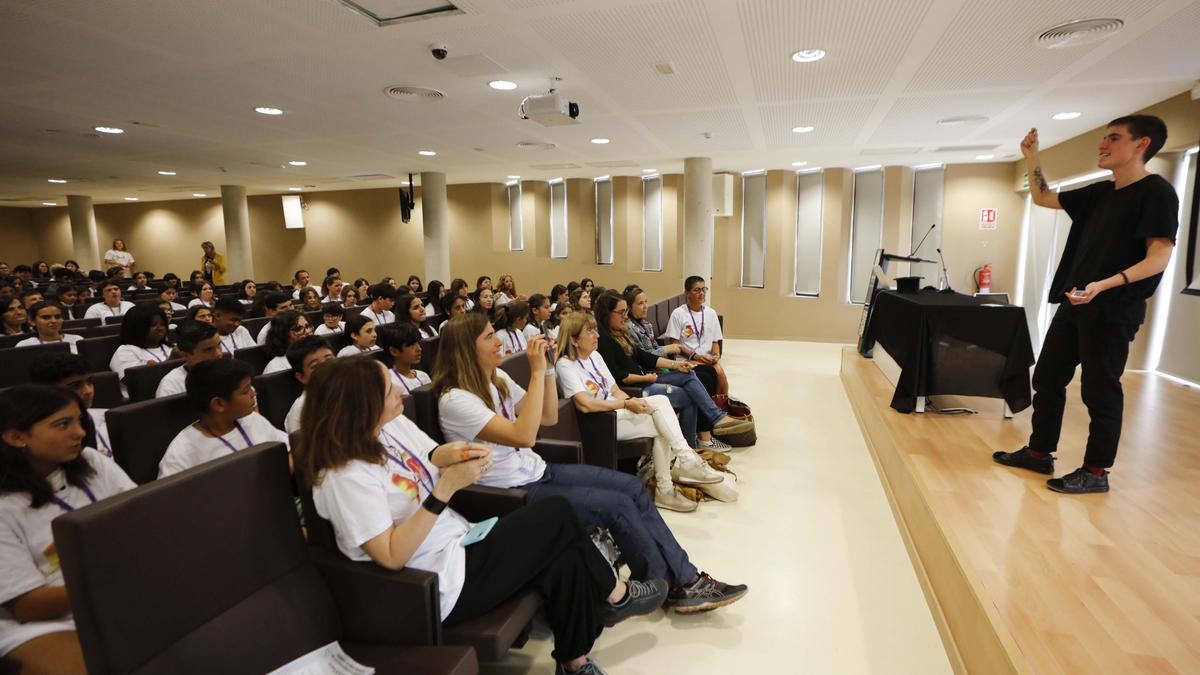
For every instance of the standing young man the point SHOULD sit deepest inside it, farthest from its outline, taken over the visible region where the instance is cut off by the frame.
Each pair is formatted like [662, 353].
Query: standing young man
[1121, 239]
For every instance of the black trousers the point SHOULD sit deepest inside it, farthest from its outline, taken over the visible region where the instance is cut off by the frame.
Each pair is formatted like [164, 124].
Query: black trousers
[542, 547]
[1082, 336]
[708, 377]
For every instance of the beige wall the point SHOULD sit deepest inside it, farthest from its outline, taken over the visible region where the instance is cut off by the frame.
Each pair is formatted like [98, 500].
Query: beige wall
[16, 228]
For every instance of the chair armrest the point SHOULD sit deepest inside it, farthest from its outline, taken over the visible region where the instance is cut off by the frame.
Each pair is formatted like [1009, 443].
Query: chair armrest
[559, 452]
[480, 502]
[567, 428]
[380, 606]
[598, 432]
[631, 390]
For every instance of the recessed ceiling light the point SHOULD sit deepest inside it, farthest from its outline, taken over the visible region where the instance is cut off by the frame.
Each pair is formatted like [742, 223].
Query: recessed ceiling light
[296, 162]
[799, 163]
[1066, 116]
[110, 130]
[55, 180]
[808, 55]
[426, 153]
[131, 199]
[166, 173]
[502, 85]
[295, 189]
[267, 110]
[49, 204]
[199, 194]
[801, 130]
[600, 141]
[984, 156]
[513, 177]
[649, 170]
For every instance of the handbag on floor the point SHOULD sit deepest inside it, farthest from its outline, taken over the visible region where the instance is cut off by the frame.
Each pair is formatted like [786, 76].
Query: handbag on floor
[737, 409]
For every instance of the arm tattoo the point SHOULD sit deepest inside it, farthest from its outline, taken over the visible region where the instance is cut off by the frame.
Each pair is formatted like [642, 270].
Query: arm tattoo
[1041, 180]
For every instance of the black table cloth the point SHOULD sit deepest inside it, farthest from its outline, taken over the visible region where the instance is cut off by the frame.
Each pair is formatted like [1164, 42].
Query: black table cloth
[949, 343]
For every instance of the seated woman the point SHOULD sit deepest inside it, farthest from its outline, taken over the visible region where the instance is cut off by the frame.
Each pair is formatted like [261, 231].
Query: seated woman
[284, 330]
[384, 485]
[47, 326]
[506, 291]
[143, 342]
[402, 344]
[361, 331]
[204, 295]
[633, 366]
[410, 310]
[46, 470]
[485, 303]
[587, 380]
[310, 300]
[16, 319]
[479, 402]
[247, 292]
[510, 322]
[560, 312]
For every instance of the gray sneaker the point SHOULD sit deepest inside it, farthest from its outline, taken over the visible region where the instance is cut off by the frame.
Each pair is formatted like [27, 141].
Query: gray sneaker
[589, 668]
[643, 597]
[716, 445]
[705, 594]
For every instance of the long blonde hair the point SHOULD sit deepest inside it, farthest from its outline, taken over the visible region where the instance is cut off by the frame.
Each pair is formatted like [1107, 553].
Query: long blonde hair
[457, 365]
[572, 326]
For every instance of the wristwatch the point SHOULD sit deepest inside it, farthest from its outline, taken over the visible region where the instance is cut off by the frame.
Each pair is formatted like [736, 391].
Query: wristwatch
[434, 505]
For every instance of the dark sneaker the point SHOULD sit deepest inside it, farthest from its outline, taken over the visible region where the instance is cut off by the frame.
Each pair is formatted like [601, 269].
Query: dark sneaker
[589, 668]
[643, 597]
[704, 595]
[1023, 460]
[1079, 482]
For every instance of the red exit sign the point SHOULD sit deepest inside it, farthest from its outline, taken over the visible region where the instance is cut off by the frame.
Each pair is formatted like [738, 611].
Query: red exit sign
[987, 219]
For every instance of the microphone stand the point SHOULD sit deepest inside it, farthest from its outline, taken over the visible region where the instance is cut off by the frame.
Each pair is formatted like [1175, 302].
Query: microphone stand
[945, 273]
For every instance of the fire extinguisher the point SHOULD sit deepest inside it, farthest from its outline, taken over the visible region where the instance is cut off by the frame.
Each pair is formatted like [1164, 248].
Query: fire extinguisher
[983, 278]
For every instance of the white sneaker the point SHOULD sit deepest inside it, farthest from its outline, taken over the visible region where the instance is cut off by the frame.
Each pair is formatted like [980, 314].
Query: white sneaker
[673, 500]
[690, 469]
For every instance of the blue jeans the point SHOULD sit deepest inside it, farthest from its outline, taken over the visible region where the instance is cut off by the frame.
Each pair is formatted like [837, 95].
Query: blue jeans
[690, 399]
[622, 504]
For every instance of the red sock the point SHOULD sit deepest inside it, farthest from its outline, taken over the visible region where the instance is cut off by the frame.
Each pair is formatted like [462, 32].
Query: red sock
[1035, 454]
[1096, 470]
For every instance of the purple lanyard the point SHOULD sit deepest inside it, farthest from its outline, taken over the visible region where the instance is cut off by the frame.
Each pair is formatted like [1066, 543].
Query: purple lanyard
[226, 348]
[596, 377]
[699, 331]
[237, 425]
[107, 450]
[162, 351]
[62, 504]
[514, 340]
[402, 382]
[416, 468]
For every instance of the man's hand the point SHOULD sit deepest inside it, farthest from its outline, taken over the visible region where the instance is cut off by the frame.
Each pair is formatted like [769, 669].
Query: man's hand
[638, 405]
[1029, 145]
[1076, 297]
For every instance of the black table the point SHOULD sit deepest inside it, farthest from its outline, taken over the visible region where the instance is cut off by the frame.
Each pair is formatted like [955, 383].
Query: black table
[948, 343]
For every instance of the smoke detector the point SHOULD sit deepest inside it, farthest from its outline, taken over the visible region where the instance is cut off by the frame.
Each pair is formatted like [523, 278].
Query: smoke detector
[407, 93]
[1081, 32]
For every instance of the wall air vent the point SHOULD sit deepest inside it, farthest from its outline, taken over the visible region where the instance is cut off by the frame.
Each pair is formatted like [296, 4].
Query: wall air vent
[1081, 32]
[407, 93]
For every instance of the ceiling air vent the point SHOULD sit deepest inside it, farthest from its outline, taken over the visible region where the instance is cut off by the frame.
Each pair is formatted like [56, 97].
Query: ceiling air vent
[967, 148]
[870, 152]
[614, 164]
[555, 167]
[1081, 32]
[536, 145]
[407, 93]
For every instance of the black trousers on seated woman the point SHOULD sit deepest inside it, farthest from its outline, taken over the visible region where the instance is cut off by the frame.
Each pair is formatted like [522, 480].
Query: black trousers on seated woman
[541, 547]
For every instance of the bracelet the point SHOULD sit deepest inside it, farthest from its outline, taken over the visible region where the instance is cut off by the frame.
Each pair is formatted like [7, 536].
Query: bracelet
[1124, 276]
[434, 505]
[550, 372]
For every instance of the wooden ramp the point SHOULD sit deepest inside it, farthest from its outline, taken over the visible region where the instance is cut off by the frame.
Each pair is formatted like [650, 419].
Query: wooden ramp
[1024, 580]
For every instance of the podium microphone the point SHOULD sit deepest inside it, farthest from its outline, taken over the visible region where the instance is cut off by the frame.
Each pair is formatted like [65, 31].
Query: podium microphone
[945, 272]
[918, 246]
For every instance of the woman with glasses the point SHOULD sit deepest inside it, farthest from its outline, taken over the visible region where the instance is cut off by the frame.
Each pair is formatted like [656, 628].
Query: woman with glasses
[47, 324]
[284, 330]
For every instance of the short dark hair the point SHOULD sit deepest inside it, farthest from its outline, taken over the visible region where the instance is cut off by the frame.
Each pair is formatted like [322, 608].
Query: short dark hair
[355, 323]
[191, 333]
[63, 272]
[1144, 126]
[399, 335]
[333, 309]
[447, 301]
[301, 348]
[54, 368]
[692, 281]
[229, 305]
[332, 271]
[218, 378]
[39, 306]
[135, 326]
[65, 288]
[279, 332]
[109, 282]
[273, 300]
[22, 268]
[381, 291]
[32, 291]
[297, 274]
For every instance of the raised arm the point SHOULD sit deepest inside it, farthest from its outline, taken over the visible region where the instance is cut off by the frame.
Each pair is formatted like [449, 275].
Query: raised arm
[1039, 189]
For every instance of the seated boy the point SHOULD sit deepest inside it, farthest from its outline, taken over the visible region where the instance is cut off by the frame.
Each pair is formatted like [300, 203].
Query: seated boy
[304, 356]
[331, 317]
[402, 342]
[227, 317]
[197, 341]
[221, 392]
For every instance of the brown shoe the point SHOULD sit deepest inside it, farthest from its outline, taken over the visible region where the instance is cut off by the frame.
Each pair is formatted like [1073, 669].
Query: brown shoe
[732, 425]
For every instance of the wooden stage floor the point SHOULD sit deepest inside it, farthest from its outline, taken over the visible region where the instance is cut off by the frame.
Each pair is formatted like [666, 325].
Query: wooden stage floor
[1024, 580]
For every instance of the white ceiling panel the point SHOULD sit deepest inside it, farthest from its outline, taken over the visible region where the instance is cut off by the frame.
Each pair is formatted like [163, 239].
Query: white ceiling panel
[914, 119]
[835, 123]
[1172, 50]
[685, 131]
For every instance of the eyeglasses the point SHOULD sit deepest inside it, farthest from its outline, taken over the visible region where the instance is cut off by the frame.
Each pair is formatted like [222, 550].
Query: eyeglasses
[699, 289]
[301, 328]
[622, 312]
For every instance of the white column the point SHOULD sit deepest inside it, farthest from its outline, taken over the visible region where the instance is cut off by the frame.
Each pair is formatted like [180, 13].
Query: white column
[435, 223]
[84, 244]
[698, 220]
[238, 254]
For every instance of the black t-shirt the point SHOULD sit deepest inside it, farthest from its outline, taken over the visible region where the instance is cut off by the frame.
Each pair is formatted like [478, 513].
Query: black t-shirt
[1109, 229]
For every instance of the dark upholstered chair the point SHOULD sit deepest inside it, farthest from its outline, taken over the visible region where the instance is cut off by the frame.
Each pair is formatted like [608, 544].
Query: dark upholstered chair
[140, 433]
[98, 351]
[9, 341]
[207, 572]
[276, 394]
[110, 328]
[14, 363]
[256, 357]
[429, 350]
[255, 324]
[108, 390]
[142, 381]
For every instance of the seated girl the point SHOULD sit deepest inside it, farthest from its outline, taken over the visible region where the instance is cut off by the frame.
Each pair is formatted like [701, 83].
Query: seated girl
[284, 330]
[331, 319]
[310, 300]
[558, 296]
[45, 471]
[47, 326]
[560, 312]
[479, 402]
[485, 303]
[411, 311]
[510, 322]
[402, 344]
[433, 298]
[247, 292]
[141, 282]
[361, 331]
[581, 300]
[453, 305]
[204, 295]
[539, 314]
[143, 342]
[385, 486]
[506, 291]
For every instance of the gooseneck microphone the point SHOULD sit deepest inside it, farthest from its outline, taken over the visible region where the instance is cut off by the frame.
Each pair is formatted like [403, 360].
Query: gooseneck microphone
[945, 272]
[918, 246]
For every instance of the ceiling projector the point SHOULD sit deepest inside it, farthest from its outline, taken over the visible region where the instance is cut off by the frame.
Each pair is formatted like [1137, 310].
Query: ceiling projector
[549, 110]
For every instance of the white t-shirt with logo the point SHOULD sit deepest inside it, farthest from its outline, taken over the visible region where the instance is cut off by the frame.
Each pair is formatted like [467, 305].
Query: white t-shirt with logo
[123, 258]
[99, 310]
[463, 415]
[363, 500]
[326, 330]
[69, 338]
[192, 448]
[28, 556]
[590, 376]
[696, 330]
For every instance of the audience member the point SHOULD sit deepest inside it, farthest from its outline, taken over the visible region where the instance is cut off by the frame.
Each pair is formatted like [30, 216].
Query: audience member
[331, 289]
[433, 298]
[414, 284]
[197, 342]
[272, 304]
[304, 356]
[200, 313]
[168, 295]
[111, 304]
[16, 319]
[143, 342]
[412, 311]
[47, 326]
[247, 290]
[506, 292]
[383, 299]
[300, 281]
[331, 319]
[401, 344]
[205, 295]
[285, 329]
[580, 300]
[118, 256]
[510, 322]
[227, 318]
[361, 331]
[698, 330]
[141, 282]
[310, 299]
[558, 296]
[212, 264]
[539, 314]
[68, 371]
